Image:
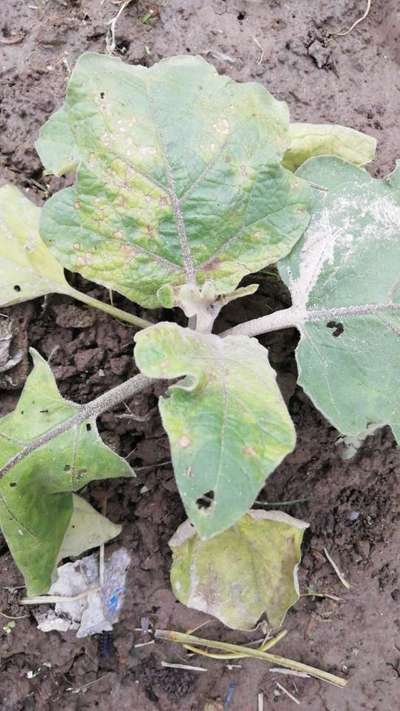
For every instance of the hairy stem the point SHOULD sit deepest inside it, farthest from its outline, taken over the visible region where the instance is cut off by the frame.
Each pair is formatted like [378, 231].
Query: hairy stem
[111, 310]
[273, 322]
[295, 317]
[85, 412]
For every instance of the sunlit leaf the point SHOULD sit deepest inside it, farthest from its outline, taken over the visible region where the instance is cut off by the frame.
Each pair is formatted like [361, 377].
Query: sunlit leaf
[308, 140]
[345, 286]
[179, 178]
[242, 573]
[27, 267]
[226, 420]
[36, 502]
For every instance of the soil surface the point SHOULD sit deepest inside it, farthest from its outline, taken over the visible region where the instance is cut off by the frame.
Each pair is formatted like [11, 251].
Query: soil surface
[352, 506]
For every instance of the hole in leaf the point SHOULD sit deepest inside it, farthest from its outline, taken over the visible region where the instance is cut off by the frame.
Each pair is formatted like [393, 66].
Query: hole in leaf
[13, 483]
[17, 287]
[88, 427]
[123, 45]
[205, 501]
[102, 95]
[67, 467]
[338, 328]
[241, 16]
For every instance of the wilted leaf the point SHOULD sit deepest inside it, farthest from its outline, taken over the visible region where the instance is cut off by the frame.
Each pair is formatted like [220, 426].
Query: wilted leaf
[226, 420]
[345, 285]
[27, 267]
[308, 140]
[87, 529]
[242, 573]
[179, 178]
[35, 496]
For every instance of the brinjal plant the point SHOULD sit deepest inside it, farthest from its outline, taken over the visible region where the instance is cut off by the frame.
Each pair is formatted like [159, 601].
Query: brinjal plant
[184, 182]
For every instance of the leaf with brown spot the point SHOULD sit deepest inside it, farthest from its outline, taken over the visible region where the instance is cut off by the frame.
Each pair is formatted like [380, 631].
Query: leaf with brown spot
[184, 163]
[246, 571]
[226, 420]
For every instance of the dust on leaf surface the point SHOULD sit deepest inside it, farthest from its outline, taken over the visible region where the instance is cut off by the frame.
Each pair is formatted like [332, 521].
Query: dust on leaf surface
[36, 500]
[246, 571]
[227, 423]
[344, 280]
[27, 267]
[179, 177]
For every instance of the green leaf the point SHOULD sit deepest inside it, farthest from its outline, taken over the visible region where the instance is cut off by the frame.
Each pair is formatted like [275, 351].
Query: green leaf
[242, 573]
[27, 267]
[87, 529]
[179, 178]
[56, 145]
[36, 503]
[226, 420]
[308, 140]
[345, 286]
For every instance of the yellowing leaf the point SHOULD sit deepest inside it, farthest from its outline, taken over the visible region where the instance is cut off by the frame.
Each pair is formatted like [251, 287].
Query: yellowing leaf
[179, 178]
[227, 423]
[87, 529]
[27, 267]
[246, 571]
[308, 140]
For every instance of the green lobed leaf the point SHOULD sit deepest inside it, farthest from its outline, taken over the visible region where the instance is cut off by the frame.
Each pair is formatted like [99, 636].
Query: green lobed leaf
[179, 178]
[242, 573]
[36, 502]
[226, 420]
[308, 140]
[344, 281]
[27, 267]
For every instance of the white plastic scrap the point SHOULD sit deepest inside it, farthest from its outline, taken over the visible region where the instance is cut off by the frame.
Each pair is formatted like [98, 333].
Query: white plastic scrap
[90, 609]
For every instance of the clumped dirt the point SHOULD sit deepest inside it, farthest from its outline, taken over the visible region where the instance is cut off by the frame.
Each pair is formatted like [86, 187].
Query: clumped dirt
[353, 505]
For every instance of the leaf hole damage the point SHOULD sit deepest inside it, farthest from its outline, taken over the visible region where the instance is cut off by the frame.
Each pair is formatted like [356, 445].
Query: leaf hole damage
[67, 467]
[204, 502]
[12, 484]
[88, 427]
[17, 288]
[102, 95]
[338, 328]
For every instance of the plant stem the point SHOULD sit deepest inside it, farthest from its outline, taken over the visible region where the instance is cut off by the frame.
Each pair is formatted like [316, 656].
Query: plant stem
[84, 412]
[181, 638]
[286, 318]
[109, 309]
[281, 503]
[296, 316]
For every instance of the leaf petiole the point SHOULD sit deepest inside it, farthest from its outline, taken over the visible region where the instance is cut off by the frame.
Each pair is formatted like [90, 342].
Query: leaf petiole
[110, 309]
